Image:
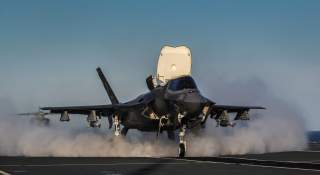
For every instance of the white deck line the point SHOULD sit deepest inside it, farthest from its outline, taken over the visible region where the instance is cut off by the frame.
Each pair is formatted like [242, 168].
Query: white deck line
[94, 164]
[246, 164]
[4, 173]
[281, 161]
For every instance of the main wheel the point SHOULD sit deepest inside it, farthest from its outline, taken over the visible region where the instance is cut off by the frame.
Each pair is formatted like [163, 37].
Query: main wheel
[124, 131]
[182, 150]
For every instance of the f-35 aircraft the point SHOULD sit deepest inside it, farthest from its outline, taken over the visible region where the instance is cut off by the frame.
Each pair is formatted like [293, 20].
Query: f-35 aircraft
[174, 105]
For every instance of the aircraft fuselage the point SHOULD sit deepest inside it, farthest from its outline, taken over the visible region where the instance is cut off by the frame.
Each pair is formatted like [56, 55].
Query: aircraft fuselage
[169, 103]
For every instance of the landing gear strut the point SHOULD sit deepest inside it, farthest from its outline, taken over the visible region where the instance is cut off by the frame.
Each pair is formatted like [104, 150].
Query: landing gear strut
[116, 124]
[182, 141]
[182, 138]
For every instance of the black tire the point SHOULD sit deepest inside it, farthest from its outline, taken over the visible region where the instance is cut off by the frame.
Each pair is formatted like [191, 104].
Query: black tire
[182, 150]
[124, 131]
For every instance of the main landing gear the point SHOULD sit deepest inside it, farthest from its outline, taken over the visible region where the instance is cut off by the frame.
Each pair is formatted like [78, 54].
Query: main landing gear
[116, 123]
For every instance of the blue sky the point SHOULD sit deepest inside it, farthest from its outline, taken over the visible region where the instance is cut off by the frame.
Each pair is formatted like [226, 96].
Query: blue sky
[49, 49]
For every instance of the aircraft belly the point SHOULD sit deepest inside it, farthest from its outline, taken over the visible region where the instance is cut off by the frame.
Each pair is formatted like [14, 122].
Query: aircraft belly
[135, 120]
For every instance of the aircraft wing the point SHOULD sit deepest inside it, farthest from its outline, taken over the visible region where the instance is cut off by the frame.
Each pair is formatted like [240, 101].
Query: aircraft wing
[218, 109]
[27, 113]
[34, 113]
[103, 110]
[233, 109]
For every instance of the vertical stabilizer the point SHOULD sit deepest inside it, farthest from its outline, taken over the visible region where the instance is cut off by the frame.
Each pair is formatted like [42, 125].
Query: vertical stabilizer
[107, 87]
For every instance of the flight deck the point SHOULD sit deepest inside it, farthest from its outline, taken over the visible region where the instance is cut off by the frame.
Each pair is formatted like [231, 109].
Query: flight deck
[294, 162]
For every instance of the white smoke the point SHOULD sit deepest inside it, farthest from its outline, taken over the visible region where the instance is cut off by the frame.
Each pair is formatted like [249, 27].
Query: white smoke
[26, 139]
[279, 128]
[265, 134]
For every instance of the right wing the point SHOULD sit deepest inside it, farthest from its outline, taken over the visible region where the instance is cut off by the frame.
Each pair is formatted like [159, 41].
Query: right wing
[104, 110]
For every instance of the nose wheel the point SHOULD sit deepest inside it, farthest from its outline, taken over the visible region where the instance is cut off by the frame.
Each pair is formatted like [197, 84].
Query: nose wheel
[182, 142]
[182, 150]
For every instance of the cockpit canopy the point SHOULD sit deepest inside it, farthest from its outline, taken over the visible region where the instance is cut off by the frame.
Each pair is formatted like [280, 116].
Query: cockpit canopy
[185, 82]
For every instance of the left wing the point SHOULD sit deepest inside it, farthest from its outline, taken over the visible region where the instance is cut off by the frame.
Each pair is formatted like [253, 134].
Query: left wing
[240, 110]
[232, 109]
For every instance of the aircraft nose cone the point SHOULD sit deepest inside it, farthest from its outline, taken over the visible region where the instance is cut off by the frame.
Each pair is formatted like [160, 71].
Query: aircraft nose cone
[192, 101]
[193, 96]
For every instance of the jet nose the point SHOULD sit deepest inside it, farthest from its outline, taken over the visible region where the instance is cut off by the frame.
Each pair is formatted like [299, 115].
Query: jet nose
[192, 101]
[193, 96]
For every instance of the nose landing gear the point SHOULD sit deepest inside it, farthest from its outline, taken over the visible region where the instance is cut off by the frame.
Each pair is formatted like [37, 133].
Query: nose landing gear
[182, 141]
[182, 150]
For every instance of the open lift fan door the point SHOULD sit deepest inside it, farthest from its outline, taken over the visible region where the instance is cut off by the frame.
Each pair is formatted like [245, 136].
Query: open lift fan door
[173, 62]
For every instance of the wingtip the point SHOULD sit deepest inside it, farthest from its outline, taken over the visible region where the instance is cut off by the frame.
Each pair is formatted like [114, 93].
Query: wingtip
[43, 108]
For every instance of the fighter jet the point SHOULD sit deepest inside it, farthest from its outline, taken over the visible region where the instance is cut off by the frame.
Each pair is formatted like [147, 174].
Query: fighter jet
[173, 103]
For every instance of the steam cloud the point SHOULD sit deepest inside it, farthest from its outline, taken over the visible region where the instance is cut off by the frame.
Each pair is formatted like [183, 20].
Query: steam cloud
[279, 128]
